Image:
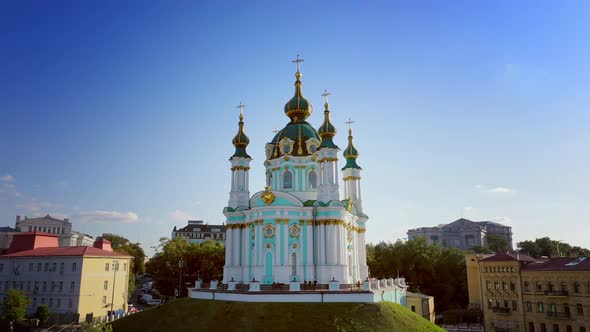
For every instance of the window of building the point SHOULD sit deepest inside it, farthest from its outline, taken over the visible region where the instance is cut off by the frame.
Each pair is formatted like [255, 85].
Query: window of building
[51, 302]
[414, 308]
[529, 306]
[540, 307]
[576, 287]
[514, 305]
[104, 299]
[543, 327]
[563, 287]
[580, 309]
[72, 286]
[313, 179]
[39, 265]
[287, 180]
[106, 285]
[527, 286]
[550, 286]
[36, 289]
[504, 285]
[489, 303]
[44, 287]
[566, 308]
[505, 303]
[496, 285]
[539, 286]
[58, 303]
[582, 329]
[568, 328]
[54, 267]
[74, 267]
[489, 284]
[61, 267]
[124, 266]
[28, 286]
[46, 267]
[555, 328]
[31, 267]
[512, 286]
[106, 267]
[61, 286]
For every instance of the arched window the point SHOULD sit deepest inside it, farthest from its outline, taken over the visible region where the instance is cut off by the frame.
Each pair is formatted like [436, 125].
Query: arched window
[313, 179]
[287, 180]
[293, 264]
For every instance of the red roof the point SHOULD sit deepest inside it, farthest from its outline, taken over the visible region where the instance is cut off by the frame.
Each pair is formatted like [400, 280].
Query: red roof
[66, 251]
[560, 264]
[508, 256]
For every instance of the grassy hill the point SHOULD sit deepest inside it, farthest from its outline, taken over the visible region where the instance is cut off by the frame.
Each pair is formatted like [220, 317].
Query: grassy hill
[205, 315]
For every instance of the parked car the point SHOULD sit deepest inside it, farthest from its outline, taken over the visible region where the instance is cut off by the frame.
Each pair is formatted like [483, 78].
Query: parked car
[154, 302]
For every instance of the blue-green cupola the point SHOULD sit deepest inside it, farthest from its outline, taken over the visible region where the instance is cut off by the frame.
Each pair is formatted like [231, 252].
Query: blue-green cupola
[327, 130]
[298, 108]
[350, 153]
[241, 141]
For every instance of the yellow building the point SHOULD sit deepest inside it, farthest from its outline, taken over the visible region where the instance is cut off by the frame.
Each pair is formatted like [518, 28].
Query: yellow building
[421, 304]
[88, 281]
[519, 293]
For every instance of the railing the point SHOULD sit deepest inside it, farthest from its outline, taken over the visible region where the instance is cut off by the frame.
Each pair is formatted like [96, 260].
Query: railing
[501, 310]
[556, 293]
[558, 315]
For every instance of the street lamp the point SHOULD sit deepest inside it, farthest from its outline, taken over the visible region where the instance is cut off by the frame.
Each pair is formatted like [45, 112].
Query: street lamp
[115, 268]
[180, 265]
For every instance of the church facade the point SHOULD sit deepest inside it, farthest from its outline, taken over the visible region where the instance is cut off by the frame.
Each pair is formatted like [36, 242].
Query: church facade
[298, 228]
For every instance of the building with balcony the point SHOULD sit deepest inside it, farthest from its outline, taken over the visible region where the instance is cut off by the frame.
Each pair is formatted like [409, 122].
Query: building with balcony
[462, 233]
[519, 293]
[198, 232]
[83, 281]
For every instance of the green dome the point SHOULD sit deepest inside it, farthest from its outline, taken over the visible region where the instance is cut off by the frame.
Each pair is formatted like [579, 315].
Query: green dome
[327, 130]
[298, 107]
[299, 132]
[241, 141]
[350, 153]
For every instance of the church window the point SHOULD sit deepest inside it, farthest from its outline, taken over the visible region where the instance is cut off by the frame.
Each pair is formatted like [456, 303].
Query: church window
[287, 180]
[313, 179]
[293, 264]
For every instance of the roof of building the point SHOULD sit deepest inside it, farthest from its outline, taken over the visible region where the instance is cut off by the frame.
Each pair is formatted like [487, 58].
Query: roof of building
[560, 264]
[45, 218]
[462, 223]
[7, 229]
[66, 251]
[202, 227]
[508, 256]
[423, 296]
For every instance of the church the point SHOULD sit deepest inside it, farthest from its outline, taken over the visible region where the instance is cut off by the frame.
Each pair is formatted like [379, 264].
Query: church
[299, 228]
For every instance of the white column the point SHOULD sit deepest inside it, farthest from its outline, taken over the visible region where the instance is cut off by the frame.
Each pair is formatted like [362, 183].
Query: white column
[286, 243]
[228, 246]
[310, 246]
[330, 244]
[279, 241]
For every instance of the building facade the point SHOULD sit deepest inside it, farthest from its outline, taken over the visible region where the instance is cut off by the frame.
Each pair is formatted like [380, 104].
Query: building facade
[62, 228]
[421, 304]
[518, 293]
[463, 233]
[79, 280]
[197, 232]
[297, 228]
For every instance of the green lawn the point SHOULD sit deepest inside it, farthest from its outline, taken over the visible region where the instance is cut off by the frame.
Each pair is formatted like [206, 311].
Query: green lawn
[205, 315]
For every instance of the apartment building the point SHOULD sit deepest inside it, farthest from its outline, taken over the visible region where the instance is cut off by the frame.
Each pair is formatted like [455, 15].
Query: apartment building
[83, 280]
[519, 293]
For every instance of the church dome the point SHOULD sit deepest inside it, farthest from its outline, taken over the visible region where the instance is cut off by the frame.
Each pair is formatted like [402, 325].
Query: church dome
[296, 139]
[241, 141]
[327, 130]
[350, 153]
[298, 108]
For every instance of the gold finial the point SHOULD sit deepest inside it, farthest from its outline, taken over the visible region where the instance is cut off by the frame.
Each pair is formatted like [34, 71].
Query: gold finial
[241, 107]
[267, 196]
[349, 123]
[325, 95]
[298, 61]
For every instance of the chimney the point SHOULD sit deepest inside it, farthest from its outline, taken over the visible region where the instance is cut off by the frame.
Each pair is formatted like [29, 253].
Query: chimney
[102, 243]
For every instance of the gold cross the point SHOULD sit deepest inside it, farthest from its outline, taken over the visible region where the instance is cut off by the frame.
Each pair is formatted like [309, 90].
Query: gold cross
[297, 61]
[325, 95]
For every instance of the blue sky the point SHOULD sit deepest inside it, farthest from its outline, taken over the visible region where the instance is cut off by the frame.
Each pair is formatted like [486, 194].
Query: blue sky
[120, 115]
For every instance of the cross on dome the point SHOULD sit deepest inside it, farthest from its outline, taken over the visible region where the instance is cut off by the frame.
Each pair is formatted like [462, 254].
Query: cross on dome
[298, 61]
[349, 123]
[241, 107]
[325, 95]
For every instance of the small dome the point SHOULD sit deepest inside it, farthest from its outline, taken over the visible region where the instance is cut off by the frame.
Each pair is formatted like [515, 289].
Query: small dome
[350, 153]
[299, 133]
[241, 141]
[327, 130]
[298, 108]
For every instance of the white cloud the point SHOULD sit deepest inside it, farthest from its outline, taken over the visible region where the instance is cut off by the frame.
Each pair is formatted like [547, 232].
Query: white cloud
[179, 215]
[494, 190]
[500, 190]
[7, 178]
[107, 217]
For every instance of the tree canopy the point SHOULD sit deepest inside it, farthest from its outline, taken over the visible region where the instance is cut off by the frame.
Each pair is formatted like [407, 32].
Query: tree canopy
[550, 248]
[428, 268]
[205, 259]
[14, 306]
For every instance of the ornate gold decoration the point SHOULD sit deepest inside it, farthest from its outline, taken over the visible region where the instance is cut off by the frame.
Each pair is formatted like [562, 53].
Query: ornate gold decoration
[267, 196]
[242, 168]
[313, 158]
[351, 178]
[349, 208]
[294, 231]
[269, 231]
[286, 158]
[268, 245]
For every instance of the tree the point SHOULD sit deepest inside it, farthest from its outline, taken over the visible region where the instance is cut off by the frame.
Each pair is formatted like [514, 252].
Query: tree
[42, 313]
[530, 248]
[97, 327]
[496, 243]
[122, 245]
[14, 306]
[550, 248]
